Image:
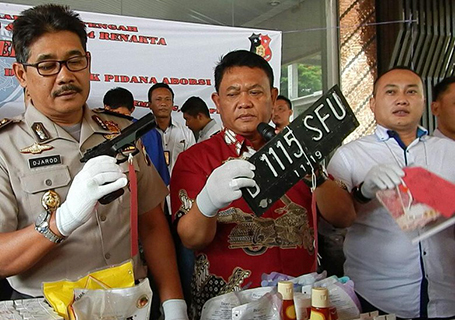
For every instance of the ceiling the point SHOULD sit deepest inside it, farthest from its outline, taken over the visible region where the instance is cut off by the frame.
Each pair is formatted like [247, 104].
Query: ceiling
[297, 19]
[218, 12]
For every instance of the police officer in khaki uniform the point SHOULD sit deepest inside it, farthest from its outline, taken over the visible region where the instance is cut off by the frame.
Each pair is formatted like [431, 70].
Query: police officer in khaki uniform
[51, 224]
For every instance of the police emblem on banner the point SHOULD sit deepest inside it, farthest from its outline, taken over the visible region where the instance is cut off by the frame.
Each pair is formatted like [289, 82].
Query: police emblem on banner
[260, 44]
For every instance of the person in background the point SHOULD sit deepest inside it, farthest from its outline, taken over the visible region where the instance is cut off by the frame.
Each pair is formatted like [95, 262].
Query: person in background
[443, 108]
[51, 225]
[233, 246]
[197, 117]
[391, 274]
[282, 112]
[175, 137]
[121, 101]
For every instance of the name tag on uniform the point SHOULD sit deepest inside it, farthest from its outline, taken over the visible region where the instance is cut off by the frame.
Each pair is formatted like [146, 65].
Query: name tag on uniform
[44, 161]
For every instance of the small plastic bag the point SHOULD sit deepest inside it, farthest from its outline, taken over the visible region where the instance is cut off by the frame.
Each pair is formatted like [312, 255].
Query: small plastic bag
[408, 214]
[60, 294]
[414, 207]
[220, 307]
[119, 303]
[265, 308]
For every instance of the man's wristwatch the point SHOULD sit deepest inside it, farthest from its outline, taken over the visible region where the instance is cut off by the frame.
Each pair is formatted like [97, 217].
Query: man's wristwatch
[321, 177]
[42, 226]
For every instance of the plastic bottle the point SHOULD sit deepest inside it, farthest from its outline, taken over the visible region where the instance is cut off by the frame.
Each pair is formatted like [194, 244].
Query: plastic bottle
[320, 304]
[333, 313]
[286, 288]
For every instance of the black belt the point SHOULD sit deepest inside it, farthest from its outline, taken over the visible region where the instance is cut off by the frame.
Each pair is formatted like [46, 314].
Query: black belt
[368, 307]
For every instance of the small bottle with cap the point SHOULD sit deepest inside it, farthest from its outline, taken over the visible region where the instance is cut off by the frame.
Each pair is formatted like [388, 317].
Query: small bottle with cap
[286, 288]
[320, 304]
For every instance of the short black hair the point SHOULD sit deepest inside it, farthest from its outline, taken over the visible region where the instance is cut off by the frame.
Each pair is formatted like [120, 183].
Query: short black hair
[281, 97]
[392, 69]
[442, 87]
[195, 105]
[241, 58]
[157, 86]
[119, 97]
[36, 21]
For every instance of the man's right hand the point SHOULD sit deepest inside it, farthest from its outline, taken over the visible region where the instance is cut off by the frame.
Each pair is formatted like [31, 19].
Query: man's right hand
[223, 186]
[381, 177]
[99, 176]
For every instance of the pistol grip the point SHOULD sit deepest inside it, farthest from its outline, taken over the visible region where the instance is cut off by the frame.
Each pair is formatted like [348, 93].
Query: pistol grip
[108, 198]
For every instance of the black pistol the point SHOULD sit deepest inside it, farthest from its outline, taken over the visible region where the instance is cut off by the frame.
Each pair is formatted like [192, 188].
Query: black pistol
[120, 145]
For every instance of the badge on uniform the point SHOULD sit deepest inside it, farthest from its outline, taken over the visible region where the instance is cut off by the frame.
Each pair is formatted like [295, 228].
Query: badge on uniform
[42, 135]
[107, 125]
[36, 148]
[50, 200]
[167, 157]
[146, 156]
[5, 121]
[40, 131]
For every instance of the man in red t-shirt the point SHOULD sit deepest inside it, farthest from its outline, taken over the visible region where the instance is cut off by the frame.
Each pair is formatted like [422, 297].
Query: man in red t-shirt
[233, 246]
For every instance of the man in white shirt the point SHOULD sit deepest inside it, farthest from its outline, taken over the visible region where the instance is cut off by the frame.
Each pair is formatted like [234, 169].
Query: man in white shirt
[197, 117]
[175, 137]
[443, 108]
[390, 273]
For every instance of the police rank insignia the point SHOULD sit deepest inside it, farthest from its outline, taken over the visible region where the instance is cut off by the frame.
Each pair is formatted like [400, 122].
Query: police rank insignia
[5, 121]
[36, 148]
[40, 131]
[107, 125]
[112, 127]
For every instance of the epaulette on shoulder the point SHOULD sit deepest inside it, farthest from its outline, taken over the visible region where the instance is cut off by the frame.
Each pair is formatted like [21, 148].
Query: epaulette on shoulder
[112, 113]
[5, 122]
[99, 110]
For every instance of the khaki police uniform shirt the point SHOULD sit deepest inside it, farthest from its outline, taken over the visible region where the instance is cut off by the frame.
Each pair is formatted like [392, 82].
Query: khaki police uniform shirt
[24, 177]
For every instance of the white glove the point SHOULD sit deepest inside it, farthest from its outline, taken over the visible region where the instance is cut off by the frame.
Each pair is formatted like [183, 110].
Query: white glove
[99, 176]
[380, 177]
[223, 186]
[175, 309]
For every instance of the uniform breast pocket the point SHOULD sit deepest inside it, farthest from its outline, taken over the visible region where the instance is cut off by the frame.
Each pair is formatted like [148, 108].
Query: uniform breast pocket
[37, 183]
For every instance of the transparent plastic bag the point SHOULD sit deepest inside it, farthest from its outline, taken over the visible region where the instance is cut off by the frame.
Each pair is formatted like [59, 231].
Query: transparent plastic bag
[220, 307]
[265, 308]
[118, 303]
[421, 205]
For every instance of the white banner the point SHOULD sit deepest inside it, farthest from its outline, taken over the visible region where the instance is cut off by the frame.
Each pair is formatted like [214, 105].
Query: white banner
[135, 53]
